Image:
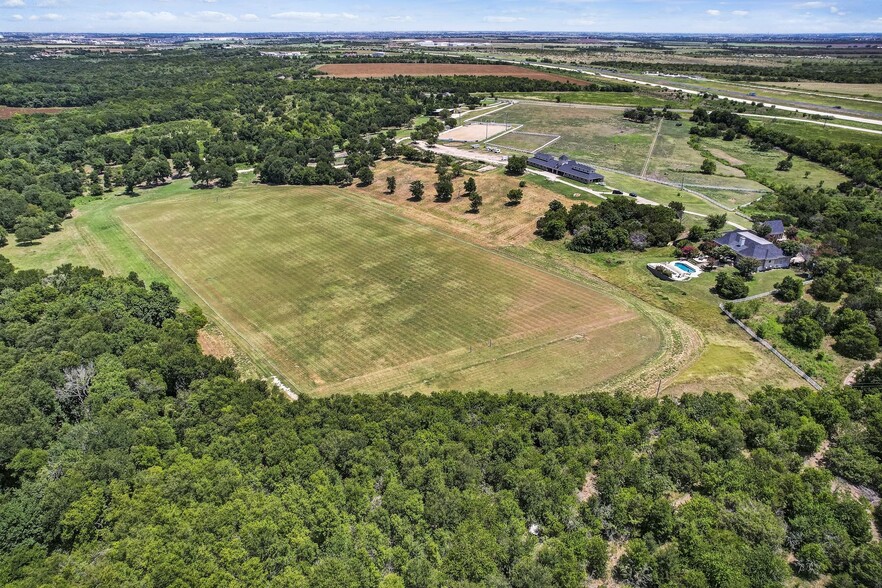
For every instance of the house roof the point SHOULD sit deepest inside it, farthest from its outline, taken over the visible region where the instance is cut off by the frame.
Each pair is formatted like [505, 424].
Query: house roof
[747, 244]
[776, 225]
[565, 165]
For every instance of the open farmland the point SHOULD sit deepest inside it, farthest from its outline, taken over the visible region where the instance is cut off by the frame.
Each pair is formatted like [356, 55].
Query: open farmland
[599, 136]
[385, 70]
[339, 294]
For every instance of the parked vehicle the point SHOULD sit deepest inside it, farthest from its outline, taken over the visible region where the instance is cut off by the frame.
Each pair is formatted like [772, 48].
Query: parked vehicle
[617, 192]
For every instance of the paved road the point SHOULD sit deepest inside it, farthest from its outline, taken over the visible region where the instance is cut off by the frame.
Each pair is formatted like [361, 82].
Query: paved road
[721, 93]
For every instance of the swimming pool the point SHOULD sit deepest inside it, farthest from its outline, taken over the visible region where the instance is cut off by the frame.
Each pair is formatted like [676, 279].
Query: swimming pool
[684, 267]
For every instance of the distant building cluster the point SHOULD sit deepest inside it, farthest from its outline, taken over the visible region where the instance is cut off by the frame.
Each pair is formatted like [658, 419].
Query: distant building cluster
[430, 43]
[565, 167]
[282, 54]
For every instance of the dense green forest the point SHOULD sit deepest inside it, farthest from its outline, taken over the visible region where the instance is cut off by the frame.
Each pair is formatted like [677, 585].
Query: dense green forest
[131, 459]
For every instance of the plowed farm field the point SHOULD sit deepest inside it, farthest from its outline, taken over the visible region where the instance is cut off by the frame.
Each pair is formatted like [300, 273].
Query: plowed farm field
[385, 70]
[337, 293]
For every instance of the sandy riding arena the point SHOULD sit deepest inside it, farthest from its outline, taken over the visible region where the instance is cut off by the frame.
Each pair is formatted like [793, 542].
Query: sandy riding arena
[472, 133]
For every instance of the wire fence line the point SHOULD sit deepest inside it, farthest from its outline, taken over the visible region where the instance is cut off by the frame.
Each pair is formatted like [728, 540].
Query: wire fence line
[795, 368]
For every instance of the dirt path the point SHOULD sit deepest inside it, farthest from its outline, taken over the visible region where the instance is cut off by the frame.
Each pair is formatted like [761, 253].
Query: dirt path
[652, 148]
[852, 375]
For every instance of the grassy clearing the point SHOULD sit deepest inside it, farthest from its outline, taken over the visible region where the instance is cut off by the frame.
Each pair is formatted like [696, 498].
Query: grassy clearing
[814, 132]
[662, 194]
[600, 98]
[729, 361]
[810, 99]
[340, 293]
[675, 160]
[597, 136]
[94, 237]
[526, 142]
[760, 165]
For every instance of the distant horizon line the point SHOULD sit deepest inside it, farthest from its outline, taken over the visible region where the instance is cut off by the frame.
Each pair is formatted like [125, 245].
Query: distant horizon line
[445, 31]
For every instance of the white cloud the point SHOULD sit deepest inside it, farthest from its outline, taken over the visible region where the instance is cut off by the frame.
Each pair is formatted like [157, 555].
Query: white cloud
[712, 12]
[48, 16]
[398, 18]
[740, 12]
[209, 1]
[810, 5]
[314, 16]
[212, 16]
[20, 17]
[582, 22]
[503, 19]
[835, 10]
[249, 17]
[45, 3]
[141, 16]
[13, 3]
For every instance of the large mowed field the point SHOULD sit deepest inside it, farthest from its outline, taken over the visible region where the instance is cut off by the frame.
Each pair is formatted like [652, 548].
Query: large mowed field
[337, 293]
[385, 70]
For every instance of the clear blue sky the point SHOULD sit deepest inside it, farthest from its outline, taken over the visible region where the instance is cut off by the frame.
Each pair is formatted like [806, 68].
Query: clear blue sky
[689, 16]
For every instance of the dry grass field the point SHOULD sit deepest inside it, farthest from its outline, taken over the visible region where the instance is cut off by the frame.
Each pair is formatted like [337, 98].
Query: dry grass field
[10, 111]
[496, 225]
[384, 70]
[339, 293]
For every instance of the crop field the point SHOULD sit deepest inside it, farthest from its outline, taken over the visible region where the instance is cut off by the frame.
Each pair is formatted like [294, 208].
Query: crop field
[384, 70]
[338, 293]
[599, 136]
[520, 141]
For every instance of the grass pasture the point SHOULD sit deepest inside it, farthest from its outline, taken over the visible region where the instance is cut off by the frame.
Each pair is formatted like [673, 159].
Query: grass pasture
[339, 293]
[598, 136]
[520, 141]
[760, 165]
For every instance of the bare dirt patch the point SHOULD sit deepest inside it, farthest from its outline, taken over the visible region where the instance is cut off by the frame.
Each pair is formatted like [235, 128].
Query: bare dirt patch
[385, 70]
[589, 488]
[725, 157]
[214, 343]
[10, 111]
[473, 132]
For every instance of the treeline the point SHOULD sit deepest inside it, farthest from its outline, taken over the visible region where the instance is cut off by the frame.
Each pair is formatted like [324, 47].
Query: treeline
[131, 459]
[615, 224]
[198, 112]
[857, 71]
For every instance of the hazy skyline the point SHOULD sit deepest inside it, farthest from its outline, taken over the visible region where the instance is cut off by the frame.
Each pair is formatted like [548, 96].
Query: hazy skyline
[212, 16]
